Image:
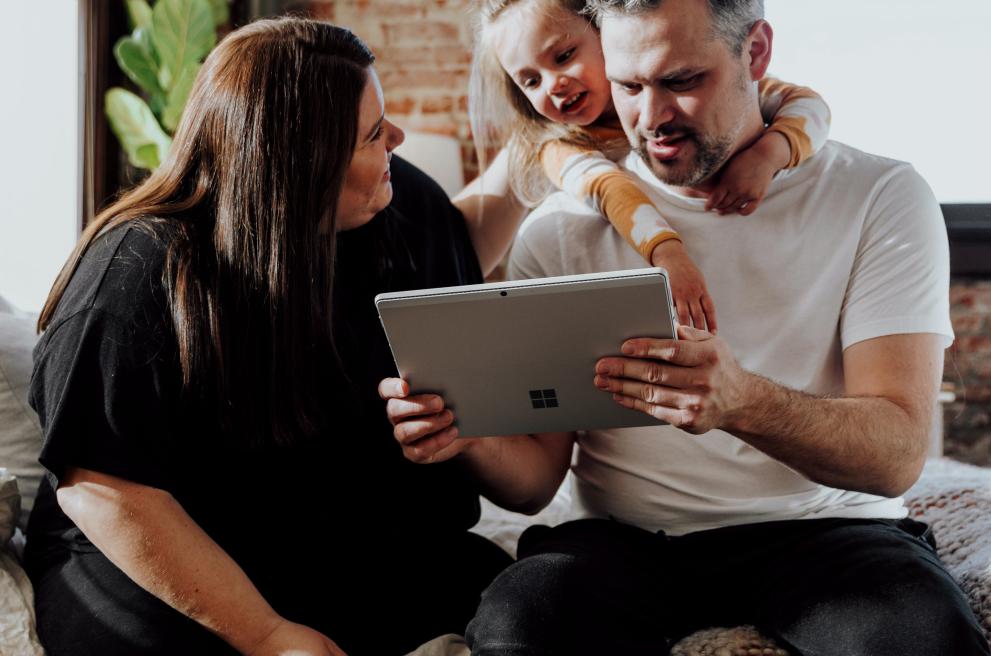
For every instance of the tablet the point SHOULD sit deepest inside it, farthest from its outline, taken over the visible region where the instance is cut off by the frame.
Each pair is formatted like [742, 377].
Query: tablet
[519, 357]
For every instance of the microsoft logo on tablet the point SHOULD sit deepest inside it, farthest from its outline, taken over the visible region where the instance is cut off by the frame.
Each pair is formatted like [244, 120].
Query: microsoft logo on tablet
[543, 398]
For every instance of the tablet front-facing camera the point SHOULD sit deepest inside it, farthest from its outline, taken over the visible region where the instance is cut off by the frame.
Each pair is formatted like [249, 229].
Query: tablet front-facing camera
[502, 293]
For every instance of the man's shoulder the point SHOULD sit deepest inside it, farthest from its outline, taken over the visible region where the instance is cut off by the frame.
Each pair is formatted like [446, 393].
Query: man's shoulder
[557, 212]
[562, 237]
[841, 163]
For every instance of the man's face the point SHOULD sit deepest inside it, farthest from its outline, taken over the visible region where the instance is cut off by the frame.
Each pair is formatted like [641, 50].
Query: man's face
[684, 99]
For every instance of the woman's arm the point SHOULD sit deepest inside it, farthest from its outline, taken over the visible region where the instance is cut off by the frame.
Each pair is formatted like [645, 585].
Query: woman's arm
[147, 534]
[517, 472]
[492, 212]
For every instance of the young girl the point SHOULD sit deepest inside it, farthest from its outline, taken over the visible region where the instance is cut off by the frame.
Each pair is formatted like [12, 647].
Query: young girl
[543, 59]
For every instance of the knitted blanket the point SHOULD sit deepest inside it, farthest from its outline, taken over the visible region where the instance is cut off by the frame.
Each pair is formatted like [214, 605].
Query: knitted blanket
[953, 498]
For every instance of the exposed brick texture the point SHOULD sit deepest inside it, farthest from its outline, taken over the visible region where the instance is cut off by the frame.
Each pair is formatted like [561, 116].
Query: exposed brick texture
[968, 367]
[424, 53]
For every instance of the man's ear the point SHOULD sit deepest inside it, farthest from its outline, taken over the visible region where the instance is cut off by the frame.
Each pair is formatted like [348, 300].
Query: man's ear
[758, 49]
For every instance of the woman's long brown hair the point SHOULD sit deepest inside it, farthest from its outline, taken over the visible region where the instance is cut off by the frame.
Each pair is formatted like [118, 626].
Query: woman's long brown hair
[256, 166]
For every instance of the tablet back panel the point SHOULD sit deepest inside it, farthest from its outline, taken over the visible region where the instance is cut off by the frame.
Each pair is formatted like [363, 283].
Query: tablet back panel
[519, 357]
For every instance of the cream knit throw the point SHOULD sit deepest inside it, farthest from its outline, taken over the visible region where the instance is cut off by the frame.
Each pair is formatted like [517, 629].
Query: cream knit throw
[953, 498]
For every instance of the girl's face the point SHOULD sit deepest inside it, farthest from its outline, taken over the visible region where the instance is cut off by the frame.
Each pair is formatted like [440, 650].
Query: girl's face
[367, 184]
[554, 57]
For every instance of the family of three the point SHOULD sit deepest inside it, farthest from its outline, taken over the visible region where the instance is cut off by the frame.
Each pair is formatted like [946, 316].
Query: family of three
[234, 467]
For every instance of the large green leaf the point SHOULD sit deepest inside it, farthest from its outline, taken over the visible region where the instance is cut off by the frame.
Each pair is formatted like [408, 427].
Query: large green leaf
[148, 154]
[178, 96]
[221, 11]
[143, 36]
[183, 33]
[139, 65]
[136, 128]
[139, 13]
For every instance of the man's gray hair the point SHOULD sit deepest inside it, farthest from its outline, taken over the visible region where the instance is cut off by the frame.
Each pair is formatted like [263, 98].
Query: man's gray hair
[731, 19]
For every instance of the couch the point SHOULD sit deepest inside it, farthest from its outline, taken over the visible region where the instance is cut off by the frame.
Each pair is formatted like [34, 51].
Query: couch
[953, 497]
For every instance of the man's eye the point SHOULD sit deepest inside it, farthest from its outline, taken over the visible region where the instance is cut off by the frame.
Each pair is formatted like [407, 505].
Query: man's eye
[684, 84]
[565, 56]
[631, 88]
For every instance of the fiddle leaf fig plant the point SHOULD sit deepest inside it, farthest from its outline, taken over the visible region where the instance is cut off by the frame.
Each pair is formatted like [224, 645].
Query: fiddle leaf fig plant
[161, 57]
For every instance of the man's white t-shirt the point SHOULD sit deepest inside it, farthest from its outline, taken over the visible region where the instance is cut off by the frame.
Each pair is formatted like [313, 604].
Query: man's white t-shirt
[845, 248]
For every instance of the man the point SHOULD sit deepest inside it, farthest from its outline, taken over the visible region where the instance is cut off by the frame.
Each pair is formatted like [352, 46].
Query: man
[772, 497]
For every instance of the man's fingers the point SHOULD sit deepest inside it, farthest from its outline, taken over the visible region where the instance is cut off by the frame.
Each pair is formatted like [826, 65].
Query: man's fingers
[710, 314]
[689, 335]
[684, 351]
[646, 371]
[408, 432]
[660, 412]
[393, 388]
[413, 406]
[668, 397]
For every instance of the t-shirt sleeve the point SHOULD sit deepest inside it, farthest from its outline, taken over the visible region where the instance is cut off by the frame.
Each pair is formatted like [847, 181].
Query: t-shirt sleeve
[900, 279]
[104, 388]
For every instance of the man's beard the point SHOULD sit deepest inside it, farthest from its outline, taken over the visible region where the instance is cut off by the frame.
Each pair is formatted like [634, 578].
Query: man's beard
[710, 154]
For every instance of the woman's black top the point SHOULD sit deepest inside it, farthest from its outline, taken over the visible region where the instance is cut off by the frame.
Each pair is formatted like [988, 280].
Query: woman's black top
[337, 532]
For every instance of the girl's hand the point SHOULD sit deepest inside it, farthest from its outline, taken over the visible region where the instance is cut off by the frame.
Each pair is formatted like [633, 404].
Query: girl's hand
[422, 425]
[746, 177]
[691, 297]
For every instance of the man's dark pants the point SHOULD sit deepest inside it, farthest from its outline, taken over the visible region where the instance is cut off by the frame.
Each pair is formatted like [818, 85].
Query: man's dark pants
[843, 587]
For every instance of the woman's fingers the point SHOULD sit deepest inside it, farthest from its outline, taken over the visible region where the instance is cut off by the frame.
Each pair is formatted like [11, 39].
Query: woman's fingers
[393, 388]
[412, 430]
[431, 448]
[414, 406]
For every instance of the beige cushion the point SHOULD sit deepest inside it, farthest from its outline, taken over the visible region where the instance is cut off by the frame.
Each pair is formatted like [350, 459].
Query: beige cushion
[20, 432]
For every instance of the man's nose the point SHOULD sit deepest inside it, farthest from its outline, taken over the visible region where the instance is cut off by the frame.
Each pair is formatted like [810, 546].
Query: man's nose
[656, 109]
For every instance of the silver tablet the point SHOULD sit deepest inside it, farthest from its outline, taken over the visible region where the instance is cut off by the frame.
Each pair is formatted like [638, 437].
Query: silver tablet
[519, 357]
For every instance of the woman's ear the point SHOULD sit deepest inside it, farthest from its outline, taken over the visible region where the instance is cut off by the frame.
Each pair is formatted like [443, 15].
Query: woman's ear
[758, 49]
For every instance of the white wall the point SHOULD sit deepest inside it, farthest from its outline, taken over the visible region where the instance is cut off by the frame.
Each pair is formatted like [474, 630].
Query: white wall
[908, 79]
[39, 145]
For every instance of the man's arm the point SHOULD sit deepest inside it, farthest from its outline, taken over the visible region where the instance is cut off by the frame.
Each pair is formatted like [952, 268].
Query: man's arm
[873, 439]
[517, 472]
[146, 533]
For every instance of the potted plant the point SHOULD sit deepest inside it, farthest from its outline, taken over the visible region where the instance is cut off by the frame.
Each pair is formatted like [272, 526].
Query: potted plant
[162, 57]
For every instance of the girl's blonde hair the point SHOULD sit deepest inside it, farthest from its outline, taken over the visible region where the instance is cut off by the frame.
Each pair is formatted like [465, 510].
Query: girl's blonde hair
[501, 115]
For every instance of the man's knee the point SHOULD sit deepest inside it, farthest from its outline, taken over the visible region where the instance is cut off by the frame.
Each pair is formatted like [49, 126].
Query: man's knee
[529, 608]
[571, 602]
[921, 612]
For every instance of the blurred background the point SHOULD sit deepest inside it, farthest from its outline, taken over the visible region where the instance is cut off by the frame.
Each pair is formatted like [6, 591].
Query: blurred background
[90, 98]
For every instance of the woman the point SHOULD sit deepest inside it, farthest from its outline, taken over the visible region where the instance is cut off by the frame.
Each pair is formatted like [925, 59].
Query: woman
[222, 474]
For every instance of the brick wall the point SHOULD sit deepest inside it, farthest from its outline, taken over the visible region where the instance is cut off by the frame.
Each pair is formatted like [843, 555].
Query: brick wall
[423, 52]
[968, 368]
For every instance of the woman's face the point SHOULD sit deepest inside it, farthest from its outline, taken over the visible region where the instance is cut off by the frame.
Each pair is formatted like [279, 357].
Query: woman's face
[367, 184]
